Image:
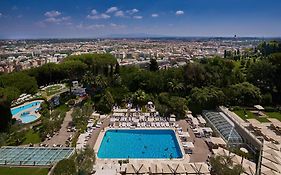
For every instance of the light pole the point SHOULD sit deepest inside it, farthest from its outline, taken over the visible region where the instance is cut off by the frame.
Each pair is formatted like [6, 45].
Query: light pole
[258, 168]
[245, 151]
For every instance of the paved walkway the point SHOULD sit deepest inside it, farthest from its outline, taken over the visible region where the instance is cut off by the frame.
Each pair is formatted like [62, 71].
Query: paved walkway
[91, 142]
[200, 150]
[62, 135]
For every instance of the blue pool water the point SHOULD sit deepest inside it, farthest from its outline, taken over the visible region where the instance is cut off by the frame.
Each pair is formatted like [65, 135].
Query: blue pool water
[27, 108]
[27, 118]
[16, 110]
[137, 143]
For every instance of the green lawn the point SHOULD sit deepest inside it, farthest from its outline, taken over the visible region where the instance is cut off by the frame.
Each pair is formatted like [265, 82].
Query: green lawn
[31, 137]
[241, 114]
[276, 115]
[23, 171]
[63, 108]
[53, 90]
[263, 119]
[250, 115]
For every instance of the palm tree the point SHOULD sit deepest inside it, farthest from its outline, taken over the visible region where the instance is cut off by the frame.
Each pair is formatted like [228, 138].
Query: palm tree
[88, 78]
[222, 165]
[140, 97]
[175, 86]
[100, 82]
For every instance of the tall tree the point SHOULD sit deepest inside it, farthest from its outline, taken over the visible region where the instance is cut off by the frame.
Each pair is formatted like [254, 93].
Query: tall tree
[222, 165]
[243, 94]
[153, 66]
[5, 114]
[205, 98]
[65, 167]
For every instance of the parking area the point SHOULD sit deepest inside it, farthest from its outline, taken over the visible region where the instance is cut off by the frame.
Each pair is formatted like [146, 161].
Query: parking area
[62, 138]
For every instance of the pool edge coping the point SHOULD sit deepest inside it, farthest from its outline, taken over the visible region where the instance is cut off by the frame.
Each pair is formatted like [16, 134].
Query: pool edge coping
[102, 133]
[17, 117]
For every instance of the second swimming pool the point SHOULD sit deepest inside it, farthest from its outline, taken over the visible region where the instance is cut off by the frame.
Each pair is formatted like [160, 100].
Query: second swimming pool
[16, 110]
[23, 111]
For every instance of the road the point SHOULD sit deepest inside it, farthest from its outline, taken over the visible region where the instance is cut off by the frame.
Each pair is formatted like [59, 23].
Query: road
[62, 135]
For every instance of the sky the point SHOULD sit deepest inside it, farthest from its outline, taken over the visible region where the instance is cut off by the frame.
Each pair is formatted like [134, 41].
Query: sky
[104, 18]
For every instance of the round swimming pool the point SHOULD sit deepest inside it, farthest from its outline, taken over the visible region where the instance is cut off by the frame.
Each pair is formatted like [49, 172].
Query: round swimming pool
[27, 118]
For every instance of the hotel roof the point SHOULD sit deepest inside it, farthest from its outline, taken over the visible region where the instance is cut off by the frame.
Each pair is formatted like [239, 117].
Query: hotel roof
[40, 156]
[224, 126]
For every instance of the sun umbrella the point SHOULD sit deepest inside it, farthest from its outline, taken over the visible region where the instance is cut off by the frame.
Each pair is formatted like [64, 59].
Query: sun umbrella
[273, 146]
[142, 169]
[189, 168]
[166, 169]
[130, 169]
[180, 169]
[271, 166]
[155, 169]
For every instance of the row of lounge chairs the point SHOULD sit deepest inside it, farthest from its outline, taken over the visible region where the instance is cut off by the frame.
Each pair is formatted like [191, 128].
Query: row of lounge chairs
[143, 124]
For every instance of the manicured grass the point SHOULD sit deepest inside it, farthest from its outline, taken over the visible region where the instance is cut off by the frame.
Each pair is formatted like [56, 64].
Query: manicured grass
[31, 137]
[250, 115]
[53, 89]
[241, 114]
[276, 115]
[262, 119]
[63, 108]
[23, 171]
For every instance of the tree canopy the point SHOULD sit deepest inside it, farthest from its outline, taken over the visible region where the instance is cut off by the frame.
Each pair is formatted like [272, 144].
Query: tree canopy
[222, 165]
[249, 78]
[205, 98]
[244, 94]
[65, 167]
[23, 82]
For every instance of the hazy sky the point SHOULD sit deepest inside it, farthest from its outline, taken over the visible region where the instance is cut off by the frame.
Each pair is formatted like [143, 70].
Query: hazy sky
[99, 18]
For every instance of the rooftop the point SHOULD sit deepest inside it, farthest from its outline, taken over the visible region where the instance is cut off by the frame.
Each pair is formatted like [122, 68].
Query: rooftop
[11, 155]
[224, 126]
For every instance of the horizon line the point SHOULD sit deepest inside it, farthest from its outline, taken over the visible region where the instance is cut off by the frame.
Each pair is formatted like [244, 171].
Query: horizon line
[141, 37]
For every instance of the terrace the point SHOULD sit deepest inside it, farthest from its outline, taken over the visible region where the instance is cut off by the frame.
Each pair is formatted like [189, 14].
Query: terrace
[137, 124]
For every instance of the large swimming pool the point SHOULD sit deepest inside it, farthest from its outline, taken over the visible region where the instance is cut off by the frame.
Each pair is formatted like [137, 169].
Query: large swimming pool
[140, 144]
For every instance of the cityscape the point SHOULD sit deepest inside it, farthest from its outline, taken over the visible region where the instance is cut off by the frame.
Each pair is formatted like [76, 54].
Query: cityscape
[140, 87]
[22, 55]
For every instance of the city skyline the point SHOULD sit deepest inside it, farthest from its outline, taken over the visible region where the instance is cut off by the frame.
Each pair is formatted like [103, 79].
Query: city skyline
[91, 19]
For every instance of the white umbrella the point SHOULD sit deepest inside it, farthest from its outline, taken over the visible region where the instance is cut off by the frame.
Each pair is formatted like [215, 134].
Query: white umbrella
[155, 169]
[130, 169]
[142, 169]
[166, 169]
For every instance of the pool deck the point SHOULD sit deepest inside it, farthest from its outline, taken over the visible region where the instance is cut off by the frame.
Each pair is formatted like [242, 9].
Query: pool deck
[201, 149]
[17, 116]
[185, 157]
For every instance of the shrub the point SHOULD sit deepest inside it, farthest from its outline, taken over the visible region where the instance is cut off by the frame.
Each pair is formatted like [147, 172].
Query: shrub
[270, 109]
[65, 167]
[71, 102]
